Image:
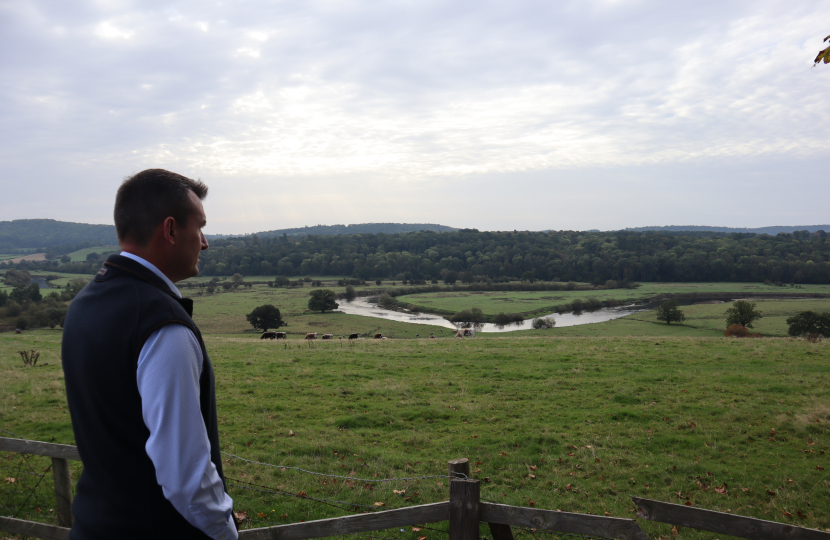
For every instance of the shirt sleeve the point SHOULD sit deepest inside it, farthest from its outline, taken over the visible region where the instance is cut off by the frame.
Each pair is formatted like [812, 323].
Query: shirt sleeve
[169, 368]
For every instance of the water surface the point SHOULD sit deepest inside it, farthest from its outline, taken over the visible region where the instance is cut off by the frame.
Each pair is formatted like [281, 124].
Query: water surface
[361, 306]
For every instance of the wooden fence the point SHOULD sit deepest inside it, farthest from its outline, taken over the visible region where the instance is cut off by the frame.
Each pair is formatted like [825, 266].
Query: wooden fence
[464, 511]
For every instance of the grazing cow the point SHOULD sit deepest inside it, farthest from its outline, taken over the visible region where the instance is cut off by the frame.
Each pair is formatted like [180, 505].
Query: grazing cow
[268, 335]
[311, 335]
[432, 335]
[327, 336]
[281, 335]
[378, 336]
[465, 332]
[353, 336]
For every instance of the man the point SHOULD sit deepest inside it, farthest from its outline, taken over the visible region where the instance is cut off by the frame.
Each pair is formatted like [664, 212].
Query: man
[139, 381]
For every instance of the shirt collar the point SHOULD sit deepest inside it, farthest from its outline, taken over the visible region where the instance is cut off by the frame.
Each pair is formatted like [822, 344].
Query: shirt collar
[156, 271]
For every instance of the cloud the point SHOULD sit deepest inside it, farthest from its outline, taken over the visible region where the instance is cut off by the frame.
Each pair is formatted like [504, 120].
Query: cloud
[405, 93]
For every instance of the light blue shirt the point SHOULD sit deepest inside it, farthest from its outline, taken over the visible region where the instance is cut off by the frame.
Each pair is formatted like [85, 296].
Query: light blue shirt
[169, 368]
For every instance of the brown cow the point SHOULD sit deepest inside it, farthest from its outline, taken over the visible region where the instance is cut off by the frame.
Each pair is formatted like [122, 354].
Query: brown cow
[268, 335]
[353, 336]
[378, 336]
[327, 336]
[311, 335]
[281, 335]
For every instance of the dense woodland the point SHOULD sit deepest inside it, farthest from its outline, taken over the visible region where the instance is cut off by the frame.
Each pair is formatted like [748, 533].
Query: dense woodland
[596, 257]
[34, 233]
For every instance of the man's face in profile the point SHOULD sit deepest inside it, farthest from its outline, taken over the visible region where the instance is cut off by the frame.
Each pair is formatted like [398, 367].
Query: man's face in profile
[191, 241]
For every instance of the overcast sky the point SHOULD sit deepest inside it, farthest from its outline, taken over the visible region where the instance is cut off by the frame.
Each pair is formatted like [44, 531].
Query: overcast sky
[520, 114]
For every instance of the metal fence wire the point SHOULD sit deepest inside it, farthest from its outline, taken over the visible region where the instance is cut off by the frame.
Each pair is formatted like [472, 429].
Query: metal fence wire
[26, 487]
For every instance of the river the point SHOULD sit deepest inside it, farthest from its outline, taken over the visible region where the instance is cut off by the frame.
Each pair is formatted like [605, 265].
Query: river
[361, 306]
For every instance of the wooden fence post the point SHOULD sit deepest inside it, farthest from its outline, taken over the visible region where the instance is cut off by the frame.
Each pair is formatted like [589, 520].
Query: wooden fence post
[458, 468]
[464, 509]
[63, 491]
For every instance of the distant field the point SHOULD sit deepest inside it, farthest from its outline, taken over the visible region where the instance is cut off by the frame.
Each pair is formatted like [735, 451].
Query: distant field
[576, 424]
[80, 255]
[527, 301]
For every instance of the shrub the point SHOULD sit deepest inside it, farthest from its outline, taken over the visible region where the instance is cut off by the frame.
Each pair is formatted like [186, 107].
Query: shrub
[540, 323]
[386, 301]
[473, 315]
[503, 318]
[737, 330]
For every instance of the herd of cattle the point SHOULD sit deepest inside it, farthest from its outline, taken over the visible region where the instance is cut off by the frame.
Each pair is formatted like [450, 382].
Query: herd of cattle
[313, 335]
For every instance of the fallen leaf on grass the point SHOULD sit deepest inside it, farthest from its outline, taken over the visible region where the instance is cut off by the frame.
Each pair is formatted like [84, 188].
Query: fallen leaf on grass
[787, 514]
[487, 479]
[303, 494]
[422, 538]
[291, 433]
[10, 480]
[242, 515]
[380, 504]
[568, 486]
[532, 476]
[819, 468]
[531, 502]
[674, 531]
[533, 467]
[261, 514]
[721, 490]
[398, 491]
[417, 529]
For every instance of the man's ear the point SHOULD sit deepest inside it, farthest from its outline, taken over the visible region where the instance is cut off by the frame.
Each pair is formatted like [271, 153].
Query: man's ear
[169, 230]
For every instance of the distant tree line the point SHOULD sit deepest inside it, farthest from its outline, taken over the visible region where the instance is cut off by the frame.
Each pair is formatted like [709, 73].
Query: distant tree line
[29, 233]
[470, 256]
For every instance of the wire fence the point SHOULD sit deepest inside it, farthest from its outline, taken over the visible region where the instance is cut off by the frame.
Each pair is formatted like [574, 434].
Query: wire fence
[26, 487]
[26, 492]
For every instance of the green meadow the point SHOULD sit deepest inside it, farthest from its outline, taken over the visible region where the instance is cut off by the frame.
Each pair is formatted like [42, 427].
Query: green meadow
[570, 423]
[573, 418]
[80, 255]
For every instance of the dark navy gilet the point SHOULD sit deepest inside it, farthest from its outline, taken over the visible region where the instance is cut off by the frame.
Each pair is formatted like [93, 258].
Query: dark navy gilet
[106, 327]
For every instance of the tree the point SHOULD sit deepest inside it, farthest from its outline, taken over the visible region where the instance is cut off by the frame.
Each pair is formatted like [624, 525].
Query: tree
[474, 316]
[743, 313]
[265, 317]
[540, 323]
[529, 277]
[350, 293]
[322, 300]
[823, 54]
[669, 312]
[809, 322]
[237, 278]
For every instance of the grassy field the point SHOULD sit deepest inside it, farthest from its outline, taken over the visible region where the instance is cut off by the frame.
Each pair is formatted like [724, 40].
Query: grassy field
[530, 301]
[567, 423]
[80, 255]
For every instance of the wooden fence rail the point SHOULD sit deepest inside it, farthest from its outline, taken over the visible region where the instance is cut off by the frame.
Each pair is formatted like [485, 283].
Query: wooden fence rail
[723, 523]
[60, 454]
[464, 511]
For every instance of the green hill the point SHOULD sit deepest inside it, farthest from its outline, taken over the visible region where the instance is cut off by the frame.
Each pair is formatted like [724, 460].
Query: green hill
[358, 228]
[29, 233]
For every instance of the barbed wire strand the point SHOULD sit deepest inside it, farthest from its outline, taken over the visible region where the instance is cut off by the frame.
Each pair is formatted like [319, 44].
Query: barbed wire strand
[461, 476]
[266, 489]
[10, 433]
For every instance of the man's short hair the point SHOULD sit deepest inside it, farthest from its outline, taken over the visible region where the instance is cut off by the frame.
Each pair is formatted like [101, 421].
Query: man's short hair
[146, 199]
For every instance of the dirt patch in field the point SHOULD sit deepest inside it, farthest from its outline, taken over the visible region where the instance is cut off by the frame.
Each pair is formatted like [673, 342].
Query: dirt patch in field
[32, 257]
